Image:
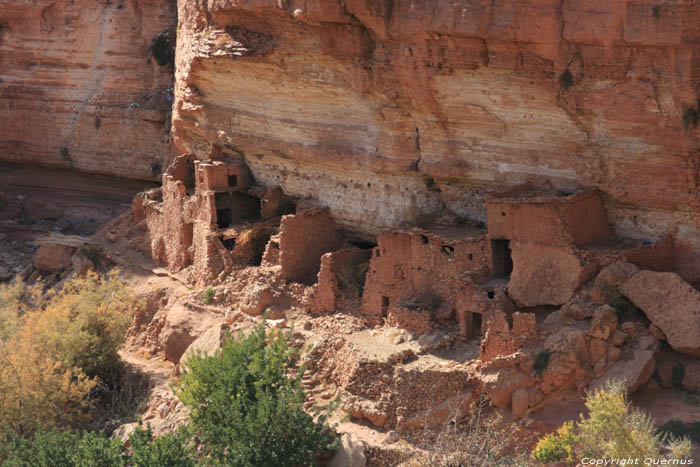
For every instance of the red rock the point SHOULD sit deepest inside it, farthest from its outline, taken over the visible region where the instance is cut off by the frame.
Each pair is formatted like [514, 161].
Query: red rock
[81, 264]
[604, 323]
[53, 258]
[501, 384]
[206, 344]
[598, 349]
[545, 275]
[671, 304]
[634, 370]
[183, 325]
[520, 402]
[95, 100]
[256, 298]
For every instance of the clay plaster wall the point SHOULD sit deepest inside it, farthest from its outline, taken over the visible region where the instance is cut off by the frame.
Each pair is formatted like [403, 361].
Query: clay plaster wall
[409, 264]
[576, 219]
[304, 238]
[340, 279]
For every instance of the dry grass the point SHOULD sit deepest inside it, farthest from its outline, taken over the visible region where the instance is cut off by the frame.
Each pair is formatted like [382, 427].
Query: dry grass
[482, 439]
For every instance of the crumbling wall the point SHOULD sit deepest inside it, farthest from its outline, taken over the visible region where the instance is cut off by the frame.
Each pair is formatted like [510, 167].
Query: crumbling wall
[341, 279]
[304, 238]
[501, 339]
[409, 265]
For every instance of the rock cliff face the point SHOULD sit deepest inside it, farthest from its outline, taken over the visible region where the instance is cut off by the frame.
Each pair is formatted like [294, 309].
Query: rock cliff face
[392, 112]
[78, 86]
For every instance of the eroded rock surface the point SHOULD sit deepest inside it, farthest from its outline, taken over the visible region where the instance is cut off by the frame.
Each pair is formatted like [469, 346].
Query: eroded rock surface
[79, 88]
[387, 115]
[671, 304]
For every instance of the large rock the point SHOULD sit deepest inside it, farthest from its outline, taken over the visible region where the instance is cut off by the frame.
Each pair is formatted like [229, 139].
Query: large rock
[351, 453]
[633, 370]
[256, 298]
[501, 384]
[208, 343]
[53, 258]
[183, 325]
[545, 275]
[671, 304]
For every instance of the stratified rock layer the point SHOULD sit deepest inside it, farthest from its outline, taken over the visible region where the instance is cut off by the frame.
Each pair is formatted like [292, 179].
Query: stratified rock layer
[79, 88]
[389, 112]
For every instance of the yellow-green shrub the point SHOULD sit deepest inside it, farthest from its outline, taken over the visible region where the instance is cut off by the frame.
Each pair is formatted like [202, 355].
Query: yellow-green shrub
[557, 447]
[612, 430]
[51, 357]
[84, 324]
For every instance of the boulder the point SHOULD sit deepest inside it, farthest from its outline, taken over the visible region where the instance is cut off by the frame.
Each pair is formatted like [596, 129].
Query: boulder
[53, 258]
[183, 325]
[634, 370]
[256, 298]
[545, 275]
[606, 287]
[604, 323]
[501, 384]
[520, 402]
[208, 343]
[81, 263]
[688, 373]
[350, 453]
[671, 304]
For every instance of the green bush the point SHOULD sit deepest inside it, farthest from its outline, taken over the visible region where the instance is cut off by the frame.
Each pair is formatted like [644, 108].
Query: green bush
[541, 362]
[566, 80]
[56, 448]
[246, 405]
[677, 375]
[209, 295]
[166, 451]
[162, 49]
[690, 118]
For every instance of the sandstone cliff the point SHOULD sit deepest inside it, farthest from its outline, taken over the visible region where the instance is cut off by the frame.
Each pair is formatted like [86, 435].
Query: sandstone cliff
[78, 86]
[390, 112]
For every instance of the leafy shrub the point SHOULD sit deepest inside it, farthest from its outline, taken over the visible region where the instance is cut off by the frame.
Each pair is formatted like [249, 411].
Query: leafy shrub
[51, 359]
[209, 295]
[611, 430]
[84, 324]
[690, 118]
[656, 11]
[246, 405]
[566, 80]
[166, 451]
[559, 446]
[93, 254]
[162, 49]
[541, 362]
[677, 375]
[626, 310]
[56, 448]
